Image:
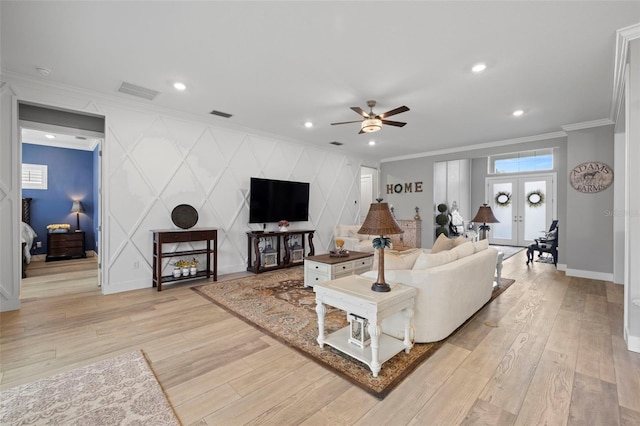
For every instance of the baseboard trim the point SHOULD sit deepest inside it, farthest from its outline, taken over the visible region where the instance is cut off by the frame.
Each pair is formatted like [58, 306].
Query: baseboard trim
[633, 342]
[562, 267]
[593, 275]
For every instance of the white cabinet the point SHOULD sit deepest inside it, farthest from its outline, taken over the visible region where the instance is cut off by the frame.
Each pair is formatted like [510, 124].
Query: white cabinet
[323, 268]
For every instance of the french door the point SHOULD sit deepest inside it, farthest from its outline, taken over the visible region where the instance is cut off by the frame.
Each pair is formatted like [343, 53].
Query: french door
[524, 205]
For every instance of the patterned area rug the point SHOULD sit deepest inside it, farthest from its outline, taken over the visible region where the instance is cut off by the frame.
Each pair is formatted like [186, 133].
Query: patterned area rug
[278, 304]
[117, 391]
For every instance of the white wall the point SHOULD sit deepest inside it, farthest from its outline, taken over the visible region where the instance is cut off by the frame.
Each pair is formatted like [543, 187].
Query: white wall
[155, 159]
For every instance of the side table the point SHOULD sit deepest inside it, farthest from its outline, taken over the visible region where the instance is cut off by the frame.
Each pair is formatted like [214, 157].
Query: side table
[353, 294]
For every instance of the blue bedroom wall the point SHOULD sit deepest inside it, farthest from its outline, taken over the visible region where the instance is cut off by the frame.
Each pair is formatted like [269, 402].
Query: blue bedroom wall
[70, 176]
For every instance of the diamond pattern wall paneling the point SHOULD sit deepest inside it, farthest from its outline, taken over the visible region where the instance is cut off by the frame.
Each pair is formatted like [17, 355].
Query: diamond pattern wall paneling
[154, 160]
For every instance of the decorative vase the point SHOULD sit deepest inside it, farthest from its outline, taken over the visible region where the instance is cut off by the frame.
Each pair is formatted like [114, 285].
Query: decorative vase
[185, 272]
[176, 273]
[193, 271]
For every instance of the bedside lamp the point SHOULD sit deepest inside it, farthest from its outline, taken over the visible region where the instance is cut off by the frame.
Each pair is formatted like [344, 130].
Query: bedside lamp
[484, 216]
[77, 209]
[380, 221]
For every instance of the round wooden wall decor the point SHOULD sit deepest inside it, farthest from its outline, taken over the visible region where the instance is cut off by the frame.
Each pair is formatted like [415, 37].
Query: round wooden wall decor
[591, 177]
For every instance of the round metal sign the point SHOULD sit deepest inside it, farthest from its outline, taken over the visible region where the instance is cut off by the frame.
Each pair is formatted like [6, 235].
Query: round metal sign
[591, 177]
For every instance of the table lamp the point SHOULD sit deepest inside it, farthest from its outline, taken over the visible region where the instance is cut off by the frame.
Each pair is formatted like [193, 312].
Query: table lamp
[380, 221]
[484, 216]
[77, 209]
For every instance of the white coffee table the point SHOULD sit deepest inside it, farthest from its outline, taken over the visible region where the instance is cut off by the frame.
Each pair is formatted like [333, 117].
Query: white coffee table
[353, 294]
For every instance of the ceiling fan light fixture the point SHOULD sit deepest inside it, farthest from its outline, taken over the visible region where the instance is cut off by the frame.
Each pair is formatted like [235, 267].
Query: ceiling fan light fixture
[371, 125]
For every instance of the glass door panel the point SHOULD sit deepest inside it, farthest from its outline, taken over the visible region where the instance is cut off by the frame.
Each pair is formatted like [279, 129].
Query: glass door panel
[524, 207]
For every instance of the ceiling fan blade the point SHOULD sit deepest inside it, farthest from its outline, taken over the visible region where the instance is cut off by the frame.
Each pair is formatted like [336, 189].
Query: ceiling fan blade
[393, 123]
[361, 131]
[360, 111]
[347, 122]
[394, 112]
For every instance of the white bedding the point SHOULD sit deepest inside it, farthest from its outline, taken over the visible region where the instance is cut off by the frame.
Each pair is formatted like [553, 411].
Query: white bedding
[27, 234]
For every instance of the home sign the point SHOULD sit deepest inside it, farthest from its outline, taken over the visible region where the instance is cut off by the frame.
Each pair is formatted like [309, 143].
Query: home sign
[591, 177]
[406, 187]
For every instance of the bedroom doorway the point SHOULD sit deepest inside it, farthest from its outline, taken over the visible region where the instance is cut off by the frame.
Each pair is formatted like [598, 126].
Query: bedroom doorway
[69, 159]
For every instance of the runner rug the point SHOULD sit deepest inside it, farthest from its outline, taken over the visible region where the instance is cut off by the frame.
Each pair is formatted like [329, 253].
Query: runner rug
[278, 304]
[116, 391]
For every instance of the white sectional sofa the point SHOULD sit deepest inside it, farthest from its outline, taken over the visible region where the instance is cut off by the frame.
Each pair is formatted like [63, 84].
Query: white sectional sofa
[452, 285]
[352, 240]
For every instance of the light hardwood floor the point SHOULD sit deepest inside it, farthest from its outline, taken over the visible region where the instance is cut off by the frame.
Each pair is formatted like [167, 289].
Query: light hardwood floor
[549, 350]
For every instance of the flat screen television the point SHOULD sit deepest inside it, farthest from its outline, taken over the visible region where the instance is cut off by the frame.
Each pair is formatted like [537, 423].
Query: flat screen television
[275, 200]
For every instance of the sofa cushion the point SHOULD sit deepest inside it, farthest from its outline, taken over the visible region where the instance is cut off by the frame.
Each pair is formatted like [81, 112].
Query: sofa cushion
[431, 260]
[464, 250]
[395, 259]
[460, 240]
[481, 245]
[441, 243]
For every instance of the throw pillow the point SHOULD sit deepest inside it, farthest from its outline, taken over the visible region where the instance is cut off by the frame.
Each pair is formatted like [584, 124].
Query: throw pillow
[394, 259]
[481, 245]
[441, 243]
[460, 240]
[464, 250]
[430, 260]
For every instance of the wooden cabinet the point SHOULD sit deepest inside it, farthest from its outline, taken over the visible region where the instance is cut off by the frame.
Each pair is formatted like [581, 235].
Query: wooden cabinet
[323, 268]
[65, 245]
[208, 237]
[412, 237]
[275, 250]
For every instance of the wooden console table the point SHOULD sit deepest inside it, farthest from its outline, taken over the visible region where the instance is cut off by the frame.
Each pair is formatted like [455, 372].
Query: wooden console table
[281, 253]
[167, 236]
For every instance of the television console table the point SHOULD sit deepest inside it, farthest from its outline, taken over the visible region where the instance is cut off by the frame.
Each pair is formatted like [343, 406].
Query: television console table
[168, 236]
[278, 254]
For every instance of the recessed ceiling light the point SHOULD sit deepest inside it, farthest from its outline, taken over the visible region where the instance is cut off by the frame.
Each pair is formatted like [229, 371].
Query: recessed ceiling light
[518, 113]
[372, 143]
[179, 86]
[308, 124]
[48, 136]
[478, 68]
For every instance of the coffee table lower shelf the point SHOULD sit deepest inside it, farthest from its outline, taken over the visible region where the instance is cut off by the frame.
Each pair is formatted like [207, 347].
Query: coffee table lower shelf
[389, 346]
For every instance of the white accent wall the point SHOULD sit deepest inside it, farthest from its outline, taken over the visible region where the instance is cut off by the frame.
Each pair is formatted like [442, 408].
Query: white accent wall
[155, 159]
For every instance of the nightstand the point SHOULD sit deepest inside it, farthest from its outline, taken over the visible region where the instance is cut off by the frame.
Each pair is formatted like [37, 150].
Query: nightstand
[65, 245]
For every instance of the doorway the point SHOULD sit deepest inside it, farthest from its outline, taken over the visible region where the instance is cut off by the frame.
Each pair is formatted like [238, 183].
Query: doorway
[524, 206]
[368, 190]
[67, 145]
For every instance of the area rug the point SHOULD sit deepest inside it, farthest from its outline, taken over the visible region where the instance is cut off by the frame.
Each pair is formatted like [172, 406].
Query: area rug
[278, 304]
[116, 391]
[508, 250]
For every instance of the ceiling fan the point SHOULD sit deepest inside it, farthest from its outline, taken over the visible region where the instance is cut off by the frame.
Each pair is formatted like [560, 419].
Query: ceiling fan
[373, 122]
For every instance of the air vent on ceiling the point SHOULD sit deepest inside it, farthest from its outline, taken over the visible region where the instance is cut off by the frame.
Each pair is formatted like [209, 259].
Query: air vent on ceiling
[221, 114]
[139, 91]
[82, 138]
[336, 143]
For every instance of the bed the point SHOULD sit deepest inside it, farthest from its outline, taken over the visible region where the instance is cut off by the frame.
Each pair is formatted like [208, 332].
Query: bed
[27, 235]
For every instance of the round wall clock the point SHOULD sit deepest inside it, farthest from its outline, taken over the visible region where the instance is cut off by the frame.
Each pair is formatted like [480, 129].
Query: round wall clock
[591, 177]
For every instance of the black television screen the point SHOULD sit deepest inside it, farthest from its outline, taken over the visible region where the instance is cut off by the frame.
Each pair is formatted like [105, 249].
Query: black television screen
[275, 200]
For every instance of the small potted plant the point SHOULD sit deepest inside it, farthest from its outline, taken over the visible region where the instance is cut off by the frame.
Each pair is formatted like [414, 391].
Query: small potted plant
[193, 263]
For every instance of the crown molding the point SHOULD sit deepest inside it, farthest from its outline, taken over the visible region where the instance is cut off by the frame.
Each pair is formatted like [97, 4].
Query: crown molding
[587, 124]
[623, 37]
[474, 147]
